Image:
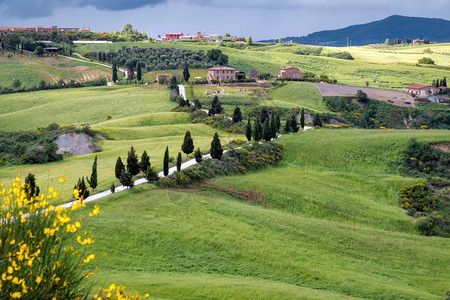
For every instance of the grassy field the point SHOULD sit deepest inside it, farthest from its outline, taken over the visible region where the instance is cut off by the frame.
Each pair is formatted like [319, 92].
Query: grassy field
[140, 117]
[31, 69]
[389, 69]
[331, 228]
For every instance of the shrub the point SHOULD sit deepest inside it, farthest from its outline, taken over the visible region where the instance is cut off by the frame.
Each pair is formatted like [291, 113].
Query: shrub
[426, 61]
[417, 199]
[422, 158]
[41, 264]
[434, 225]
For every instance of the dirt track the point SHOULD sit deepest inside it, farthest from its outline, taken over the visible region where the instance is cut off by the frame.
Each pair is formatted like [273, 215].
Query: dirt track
[399, 99]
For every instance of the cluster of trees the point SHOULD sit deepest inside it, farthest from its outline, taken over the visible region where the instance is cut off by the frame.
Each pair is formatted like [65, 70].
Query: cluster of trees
[426, 61]
[155, 58]
[407, 41]
[265, 126]
[440, 82]
[81, 185]
[29, 40]
[134, 167]
[18, 86]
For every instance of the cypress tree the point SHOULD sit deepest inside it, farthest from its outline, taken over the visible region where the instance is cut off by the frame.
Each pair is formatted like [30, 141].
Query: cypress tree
[273, 126]
[126, 179]
[216, 147]
[216, 106]
[248, 130]
[144, 164]
[278, 123]
[81, 187]
[173, 84]
[179, 162]
[237, 115]
[445, 82]
[317, 121]
[114, 72]
[266, 132]
[93, 180]
[437, 83]
[263, 115]
[112, 188]
[31, 189]
[186, 74]
[188, 144]
[256, 131]
[119, 167]
[294, 125]
[287, 127]
[198, 155]
[132, 162]
[166, 162]
[138, 71]
[302, 119]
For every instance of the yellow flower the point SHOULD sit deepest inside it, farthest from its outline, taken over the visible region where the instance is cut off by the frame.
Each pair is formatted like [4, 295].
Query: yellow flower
[112, 287]
[38, 279]
[147, 295]
[16, 295]
[95, 212]
[63, 179]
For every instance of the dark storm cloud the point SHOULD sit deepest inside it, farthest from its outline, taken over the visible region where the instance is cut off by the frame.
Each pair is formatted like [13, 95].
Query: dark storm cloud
[42, 8]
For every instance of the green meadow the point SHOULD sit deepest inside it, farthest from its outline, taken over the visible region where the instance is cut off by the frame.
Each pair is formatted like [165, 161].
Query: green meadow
[330, 227]
[140, 117]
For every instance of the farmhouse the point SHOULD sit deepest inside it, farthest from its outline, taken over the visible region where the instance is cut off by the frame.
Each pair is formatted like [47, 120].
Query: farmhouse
[421, 90]
[52, 50]
[173, 36]
[290, 72]
[221, 73]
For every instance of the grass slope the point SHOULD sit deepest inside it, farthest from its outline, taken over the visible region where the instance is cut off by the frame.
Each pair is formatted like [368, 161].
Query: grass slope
[141, 118]
[31, 69]
[331, 228]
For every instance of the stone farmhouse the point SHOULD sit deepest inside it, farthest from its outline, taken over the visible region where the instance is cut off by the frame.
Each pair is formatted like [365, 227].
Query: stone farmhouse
[291, 73]
[421, 90]
[221, 73]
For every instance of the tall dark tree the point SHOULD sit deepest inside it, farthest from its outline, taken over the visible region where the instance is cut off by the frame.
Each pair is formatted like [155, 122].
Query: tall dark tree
[166, 162]
[138, 71]
[173, 84]
[287, 126]
[82, 189]
[198, 155]
[186, 74]
[294, 125]
[273, 126]
[237, 115]
[114, 72]
[30, 188]
[197, 104]
[445, 82]
[119, 167]
[248, 130]
[266, 132]
[151, 175]
[317, 121]
[216, 106]
[93, 178]
[188, 144]
[216, 147]
[144, 164]
[278, 122]
[126, 179]
[263, 115]
[302, 119]
[132, 162]
[179, 162]
[256, 131]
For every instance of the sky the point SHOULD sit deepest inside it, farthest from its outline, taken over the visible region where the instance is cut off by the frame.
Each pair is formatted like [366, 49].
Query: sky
[261, 19]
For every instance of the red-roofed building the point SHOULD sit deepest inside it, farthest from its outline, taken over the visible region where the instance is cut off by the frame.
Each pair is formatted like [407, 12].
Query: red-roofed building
[290, 72]
[221, 73]
[421, 90]
[173, 36]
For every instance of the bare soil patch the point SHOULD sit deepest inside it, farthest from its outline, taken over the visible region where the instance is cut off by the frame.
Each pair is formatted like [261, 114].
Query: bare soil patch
[75, 143]
[392, 97]
[250, 196]
[443, 146]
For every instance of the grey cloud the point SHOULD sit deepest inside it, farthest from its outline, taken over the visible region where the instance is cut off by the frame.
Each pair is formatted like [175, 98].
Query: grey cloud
[43, 8]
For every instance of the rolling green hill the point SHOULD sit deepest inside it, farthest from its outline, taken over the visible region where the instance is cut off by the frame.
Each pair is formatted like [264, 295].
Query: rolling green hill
[331, 227]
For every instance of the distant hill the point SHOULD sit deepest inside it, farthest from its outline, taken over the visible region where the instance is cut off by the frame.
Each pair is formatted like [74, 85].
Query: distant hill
[435, 30]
